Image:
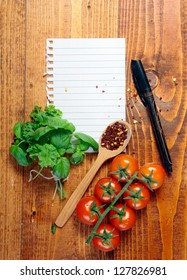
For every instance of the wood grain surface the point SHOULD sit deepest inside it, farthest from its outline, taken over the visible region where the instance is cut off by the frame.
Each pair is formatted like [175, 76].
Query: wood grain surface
[156, 33]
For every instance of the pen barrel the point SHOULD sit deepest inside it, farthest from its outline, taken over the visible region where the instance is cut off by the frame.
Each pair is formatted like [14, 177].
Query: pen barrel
[158, 132]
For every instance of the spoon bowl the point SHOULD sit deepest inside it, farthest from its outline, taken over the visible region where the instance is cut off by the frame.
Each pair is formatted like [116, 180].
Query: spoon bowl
[103, 155]
[112, 153]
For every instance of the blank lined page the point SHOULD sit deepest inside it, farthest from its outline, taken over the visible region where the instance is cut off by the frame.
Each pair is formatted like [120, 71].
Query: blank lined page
[86, 81]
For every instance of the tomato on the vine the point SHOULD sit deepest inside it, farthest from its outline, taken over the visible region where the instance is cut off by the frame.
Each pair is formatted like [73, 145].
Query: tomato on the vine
[106, 189]
[107, 238]
[137, 196]
[153, 174]
[88, 209]
[122, 217]
[123, 166]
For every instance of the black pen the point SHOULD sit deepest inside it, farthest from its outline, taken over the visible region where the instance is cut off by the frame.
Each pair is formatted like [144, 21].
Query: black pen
[144, 91]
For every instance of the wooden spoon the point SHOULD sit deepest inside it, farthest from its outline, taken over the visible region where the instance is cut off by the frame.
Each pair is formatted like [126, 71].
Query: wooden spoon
[103, 155]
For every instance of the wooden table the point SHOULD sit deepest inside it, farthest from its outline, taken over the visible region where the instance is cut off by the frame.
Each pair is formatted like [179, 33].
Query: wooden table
[156, 34]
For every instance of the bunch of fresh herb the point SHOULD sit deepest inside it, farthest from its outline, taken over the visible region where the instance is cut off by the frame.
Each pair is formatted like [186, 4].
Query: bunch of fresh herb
[52, 142]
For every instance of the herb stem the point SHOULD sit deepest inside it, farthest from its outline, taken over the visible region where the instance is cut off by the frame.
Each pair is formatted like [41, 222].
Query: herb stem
[38, 173]
[110, 207]
[60, 188]
[21, 142]
[54, 194]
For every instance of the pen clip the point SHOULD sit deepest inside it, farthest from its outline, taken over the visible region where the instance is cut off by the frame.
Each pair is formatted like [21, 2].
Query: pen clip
[140, 80]
[139, 90]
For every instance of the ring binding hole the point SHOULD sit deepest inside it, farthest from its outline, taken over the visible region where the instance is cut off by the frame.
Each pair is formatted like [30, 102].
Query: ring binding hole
[50, 69]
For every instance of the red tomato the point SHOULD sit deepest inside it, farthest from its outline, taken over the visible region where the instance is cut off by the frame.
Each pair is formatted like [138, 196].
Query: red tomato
[107, 238]
[137, 196]
[154, 174]
[87, 209]
[106, 189]
[123, 166]
[122, 217]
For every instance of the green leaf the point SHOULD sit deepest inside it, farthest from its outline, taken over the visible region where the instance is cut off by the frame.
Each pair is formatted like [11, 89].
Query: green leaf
[83, 146]
[77, 157]
[53, 228]
[33, 150]
[62, 168]
[52, 111]
[57, 122]
[61, 151]
[48, 156]
[38, 115]
[87, 139]
[19, 155]
[69, 126]
[41, 131]
[17, 130]
[28, 130]
[60, 138]
[70, 150]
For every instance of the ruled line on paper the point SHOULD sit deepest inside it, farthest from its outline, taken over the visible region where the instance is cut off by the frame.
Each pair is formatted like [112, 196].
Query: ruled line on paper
[86, 81]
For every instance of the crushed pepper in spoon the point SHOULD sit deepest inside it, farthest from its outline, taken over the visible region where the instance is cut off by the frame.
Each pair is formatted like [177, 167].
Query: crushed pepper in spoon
[114, 136]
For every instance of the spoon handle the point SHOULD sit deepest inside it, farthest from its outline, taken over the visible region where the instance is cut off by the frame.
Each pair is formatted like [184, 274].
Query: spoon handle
[71, 204]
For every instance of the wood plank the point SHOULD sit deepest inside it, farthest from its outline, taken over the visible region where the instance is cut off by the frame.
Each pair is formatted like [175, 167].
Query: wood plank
[45, 19]
[71, 19]
[12, 68]
[154, 35]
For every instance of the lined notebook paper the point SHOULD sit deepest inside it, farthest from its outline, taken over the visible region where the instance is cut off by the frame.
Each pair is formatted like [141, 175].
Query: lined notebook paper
[86, 81]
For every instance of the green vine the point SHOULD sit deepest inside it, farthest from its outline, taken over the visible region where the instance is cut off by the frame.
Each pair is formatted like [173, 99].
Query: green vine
[129, 179]
[110, 207]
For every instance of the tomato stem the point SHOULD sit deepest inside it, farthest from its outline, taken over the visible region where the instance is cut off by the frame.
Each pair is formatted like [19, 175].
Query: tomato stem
[147, 180]
[96, 209]
[103, 215]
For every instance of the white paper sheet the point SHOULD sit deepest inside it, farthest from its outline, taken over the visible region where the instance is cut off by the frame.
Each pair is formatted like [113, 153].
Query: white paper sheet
[86, 81]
